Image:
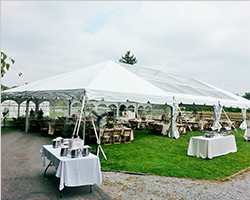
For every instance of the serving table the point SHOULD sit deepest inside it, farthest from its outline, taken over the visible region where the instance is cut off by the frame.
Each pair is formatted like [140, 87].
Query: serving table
[205, 147]
[72, 171]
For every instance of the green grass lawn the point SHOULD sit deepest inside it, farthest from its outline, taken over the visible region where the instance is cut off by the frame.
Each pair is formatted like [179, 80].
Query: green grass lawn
[160, 155]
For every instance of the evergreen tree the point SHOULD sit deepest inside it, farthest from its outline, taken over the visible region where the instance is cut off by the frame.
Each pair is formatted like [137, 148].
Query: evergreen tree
[128, 59]
[247, 95]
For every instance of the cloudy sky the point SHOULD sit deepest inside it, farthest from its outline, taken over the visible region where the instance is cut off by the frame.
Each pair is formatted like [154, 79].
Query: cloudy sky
[206, 40]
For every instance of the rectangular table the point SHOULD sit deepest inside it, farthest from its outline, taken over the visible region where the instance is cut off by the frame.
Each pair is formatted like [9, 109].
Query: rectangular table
[204, 147]
[73, 171]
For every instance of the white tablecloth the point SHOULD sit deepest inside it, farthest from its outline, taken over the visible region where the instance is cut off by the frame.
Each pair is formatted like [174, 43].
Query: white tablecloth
[73, 171]
[204, 147]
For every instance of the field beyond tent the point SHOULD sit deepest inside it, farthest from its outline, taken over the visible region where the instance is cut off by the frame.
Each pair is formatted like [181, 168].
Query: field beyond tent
[160, 155]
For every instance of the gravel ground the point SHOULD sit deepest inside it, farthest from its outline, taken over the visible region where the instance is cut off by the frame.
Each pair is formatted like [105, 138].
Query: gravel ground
[126, 186]
[22, 172]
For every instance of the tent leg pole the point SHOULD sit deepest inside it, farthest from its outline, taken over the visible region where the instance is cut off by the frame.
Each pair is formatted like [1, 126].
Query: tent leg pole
[84, 122]
[171, 128]
[69, 107]
[27, 117]
[18, 110]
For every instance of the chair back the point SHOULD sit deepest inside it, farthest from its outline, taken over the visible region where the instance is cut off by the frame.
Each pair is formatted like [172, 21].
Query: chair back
[127, 132]
[107, 132]
[117, 131]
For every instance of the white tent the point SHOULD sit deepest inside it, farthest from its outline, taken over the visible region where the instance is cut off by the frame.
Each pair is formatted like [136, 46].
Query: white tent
[111, 81]
[107, 81]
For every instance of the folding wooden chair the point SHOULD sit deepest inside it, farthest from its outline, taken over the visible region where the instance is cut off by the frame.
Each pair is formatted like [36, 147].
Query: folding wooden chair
[117, 136]
[127, 135]
[107, 137]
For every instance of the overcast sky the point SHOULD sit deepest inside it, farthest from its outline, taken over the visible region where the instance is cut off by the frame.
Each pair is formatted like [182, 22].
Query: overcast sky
[206, 40]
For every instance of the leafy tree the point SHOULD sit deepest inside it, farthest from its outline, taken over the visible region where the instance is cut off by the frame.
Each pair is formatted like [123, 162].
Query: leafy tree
[247, 95]
[5, 64]
[128, 59]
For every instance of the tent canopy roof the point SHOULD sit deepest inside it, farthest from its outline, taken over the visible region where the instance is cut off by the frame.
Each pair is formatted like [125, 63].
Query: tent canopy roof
[111, 81]
[188, 90]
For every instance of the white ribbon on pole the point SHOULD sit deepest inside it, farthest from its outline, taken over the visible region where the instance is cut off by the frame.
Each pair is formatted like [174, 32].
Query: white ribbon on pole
[217, 114]
[174, 130]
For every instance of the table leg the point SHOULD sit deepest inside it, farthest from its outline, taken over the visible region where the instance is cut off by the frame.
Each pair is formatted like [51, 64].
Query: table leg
[50, 164]
[90, 188]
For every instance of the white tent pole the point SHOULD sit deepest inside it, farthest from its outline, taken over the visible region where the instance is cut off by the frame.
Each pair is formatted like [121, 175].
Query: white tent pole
[75, 128]
[151, 112]
[118, 109]
[27, 117]
[80, 117]
[84, 120]
[136, 110]
[53, 111]
[97, 138]
[172, 115]
[69, 107]
[18, 109]
[37, 106]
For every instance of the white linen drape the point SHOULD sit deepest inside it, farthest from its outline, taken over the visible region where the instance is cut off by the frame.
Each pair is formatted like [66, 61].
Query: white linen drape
[174, 133]
[243, 125]
[247, 134]
[217, 114]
